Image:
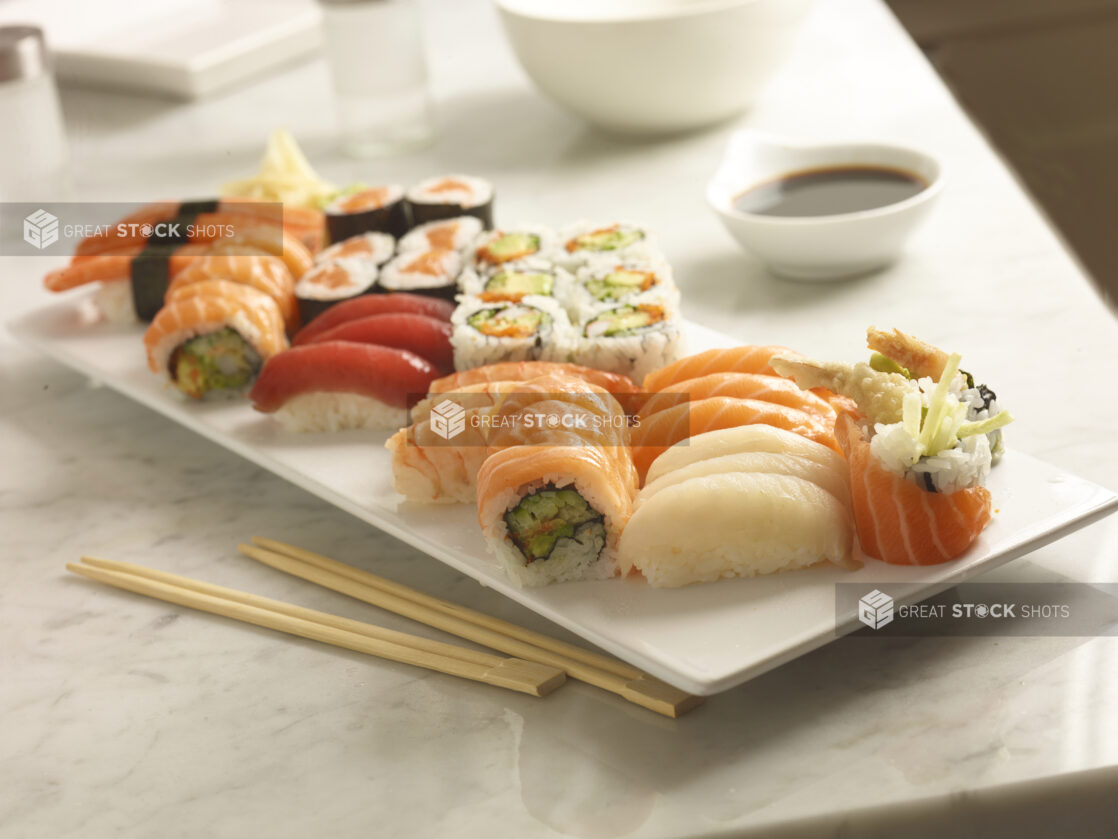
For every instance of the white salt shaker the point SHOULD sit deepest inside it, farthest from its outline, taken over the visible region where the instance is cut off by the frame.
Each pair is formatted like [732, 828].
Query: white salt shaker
[377, 61]
[33, 154]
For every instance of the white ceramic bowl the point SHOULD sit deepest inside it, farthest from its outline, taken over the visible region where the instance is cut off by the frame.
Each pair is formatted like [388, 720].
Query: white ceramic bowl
[651, 66]
[820, 247]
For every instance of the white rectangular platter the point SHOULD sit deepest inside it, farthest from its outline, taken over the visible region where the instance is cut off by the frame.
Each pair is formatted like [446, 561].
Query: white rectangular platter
[703, 639]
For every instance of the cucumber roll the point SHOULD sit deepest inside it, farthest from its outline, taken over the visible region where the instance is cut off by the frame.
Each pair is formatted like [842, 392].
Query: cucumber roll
[332, 282]
[534, 328]
[432, 273]
[516, 280]
[379, 208]
[375, 247]
[585, 243]
[607, 284]
[631, 339]
[493, 249]
[448, 196]
[453, 234]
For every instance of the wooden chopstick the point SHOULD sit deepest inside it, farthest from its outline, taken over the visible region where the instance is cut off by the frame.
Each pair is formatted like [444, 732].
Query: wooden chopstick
[621, 679]
[538, 639]
[523, 676]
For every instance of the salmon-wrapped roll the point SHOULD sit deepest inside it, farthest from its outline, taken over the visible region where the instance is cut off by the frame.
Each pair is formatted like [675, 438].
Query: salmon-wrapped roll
[263, 272]
[214, 336]
[430, 466]
[553, 514]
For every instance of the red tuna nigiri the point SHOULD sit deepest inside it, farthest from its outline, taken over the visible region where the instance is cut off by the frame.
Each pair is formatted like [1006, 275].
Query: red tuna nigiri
[901, 523]
[425, 336]
[374, 304]
[395, 377]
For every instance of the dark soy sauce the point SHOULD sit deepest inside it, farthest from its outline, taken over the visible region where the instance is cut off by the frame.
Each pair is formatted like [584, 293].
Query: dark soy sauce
[831, 191]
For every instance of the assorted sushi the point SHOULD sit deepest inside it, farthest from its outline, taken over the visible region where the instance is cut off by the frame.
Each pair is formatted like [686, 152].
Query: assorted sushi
[590, 445]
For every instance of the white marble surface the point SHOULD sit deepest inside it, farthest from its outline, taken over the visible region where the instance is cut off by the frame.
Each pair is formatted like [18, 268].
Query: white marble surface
[124, 717]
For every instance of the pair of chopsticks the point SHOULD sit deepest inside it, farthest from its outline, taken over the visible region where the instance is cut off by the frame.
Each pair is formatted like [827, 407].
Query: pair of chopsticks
[540, 662]
[524, 676]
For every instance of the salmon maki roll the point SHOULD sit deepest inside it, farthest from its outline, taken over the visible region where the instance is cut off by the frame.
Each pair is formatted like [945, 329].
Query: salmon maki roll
[553, 514]
[901, 523]
[744, 359]
[775, 389]
[666, 428]
[521, 371]
[214, 337]
[337, 385]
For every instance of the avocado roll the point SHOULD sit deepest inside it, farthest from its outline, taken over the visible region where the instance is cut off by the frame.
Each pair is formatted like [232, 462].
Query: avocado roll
[498, 247]
[432, 273]
[375, 247]
[533, 328]
[379, 208]
[630, 339]
[332, 282]
[453, 234]
[586, 243]
[516, 280]
[447, 196]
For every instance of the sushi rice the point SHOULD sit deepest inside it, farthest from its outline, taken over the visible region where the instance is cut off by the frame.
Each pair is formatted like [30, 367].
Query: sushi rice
[325, 411]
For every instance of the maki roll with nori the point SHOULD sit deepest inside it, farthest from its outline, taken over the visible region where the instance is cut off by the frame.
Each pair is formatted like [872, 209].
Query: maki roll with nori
[533, 328]
[433, 273]
[631, 339]
[332, 282]
[447, 196]
[374, 247]
[500, 246]
[452, 234]
[378, 208]
[586, 242]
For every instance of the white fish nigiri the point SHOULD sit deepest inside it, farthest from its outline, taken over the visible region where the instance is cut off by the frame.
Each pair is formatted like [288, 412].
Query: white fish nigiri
[737, 524]
[832, 477]
[744, 438]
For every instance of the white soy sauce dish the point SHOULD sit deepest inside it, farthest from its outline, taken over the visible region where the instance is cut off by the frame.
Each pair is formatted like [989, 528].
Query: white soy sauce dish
[822, 212]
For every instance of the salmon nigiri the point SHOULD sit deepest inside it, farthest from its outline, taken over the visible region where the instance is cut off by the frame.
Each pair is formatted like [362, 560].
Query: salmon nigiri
[775, 389]
[665, 428]
[743, 359]
[519, 371]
